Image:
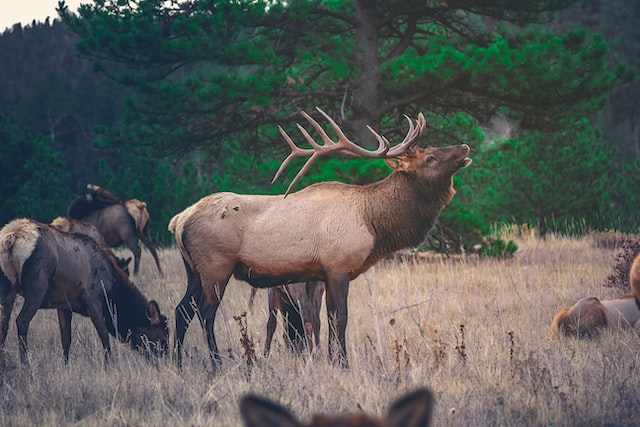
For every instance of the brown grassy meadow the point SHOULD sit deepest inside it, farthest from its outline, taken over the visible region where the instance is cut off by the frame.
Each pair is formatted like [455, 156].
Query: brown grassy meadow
[475, 331]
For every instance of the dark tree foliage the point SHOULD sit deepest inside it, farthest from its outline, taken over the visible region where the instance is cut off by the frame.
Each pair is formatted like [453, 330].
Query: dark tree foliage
[52, 92]
[35, 181]
[209, 72]
[546, 178]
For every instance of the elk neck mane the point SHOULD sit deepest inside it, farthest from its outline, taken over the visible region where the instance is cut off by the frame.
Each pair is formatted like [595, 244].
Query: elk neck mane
[401, 210]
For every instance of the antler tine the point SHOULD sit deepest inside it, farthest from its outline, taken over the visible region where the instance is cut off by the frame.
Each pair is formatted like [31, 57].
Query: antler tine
[301, 172]
[295, 152]
[344, 143]
[412, 136]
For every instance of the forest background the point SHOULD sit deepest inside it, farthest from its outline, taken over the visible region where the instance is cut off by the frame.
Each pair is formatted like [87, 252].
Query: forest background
[168, 101]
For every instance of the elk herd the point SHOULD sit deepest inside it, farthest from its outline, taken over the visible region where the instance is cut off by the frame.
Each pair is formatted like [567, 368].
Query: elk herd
[298, 245]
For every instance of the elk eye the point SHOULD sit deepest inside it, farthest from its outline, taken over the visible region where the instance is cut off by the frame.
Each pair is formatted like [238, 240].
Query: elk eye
[431, 159]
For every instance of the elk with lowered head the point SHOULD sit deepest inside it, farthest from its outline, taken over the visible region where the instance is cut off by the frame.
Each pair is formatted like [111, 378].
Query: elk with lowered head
[328, 231]
[71, 273]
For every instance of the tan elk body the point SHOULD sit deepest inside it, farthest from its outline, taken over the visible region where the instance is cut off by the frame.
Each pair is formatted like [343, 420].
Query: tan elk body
[329, 231]
[588, 316]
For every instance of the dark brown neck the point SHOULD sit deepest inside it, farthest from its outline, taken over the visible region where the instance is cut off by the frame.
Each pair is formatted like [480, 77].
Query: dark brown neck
[401, 211]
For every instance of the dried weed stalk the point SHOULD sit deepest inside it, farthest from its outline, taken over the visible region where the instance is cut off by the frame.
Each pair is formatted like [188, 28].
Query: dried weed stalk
[461, 347]
[249, 350]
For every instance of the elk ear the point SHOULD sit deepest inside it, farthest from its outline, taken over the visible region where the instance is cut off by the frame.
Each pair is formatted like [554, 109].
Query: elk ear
[259, 412]
[401, 163]
[412, 410]
[153, 313]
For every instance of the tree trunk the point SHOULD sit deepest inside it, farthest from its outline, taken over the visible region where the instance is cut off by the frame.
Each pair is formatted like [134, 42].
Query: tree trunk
[365, 92]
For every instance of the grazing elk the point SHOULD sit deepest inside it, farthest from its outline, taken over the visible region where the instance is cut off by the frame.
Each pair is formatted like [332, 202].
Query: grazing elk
[71, 225]
[299, 305]
[414, 409]
[119, 221]
[69, 272]
[589, 316]
[328, 231]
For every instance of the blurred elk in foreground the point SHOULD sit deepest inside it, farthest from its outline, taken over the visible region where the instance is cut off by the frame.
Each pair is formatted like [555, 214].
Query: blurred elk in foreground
[329, 231]
[587, 317]
[414, 409]
[119, 221]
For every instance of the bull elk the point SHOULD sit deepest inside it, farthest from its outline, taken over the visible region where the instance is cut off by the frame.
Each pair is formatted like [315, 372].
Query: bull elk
[589, 316]
[71, 273]
[119, 221]
[414, 409]
[329, 231]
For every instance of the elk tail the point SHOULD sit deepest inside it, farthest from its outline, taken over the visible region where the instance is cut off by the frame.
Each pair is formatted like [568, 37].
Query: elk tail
[17, 241]
[176, 226]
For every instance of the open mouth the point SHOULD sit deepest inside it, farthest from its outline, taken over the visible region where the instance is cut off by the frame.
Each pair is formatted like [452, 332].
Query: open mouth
[463, 163]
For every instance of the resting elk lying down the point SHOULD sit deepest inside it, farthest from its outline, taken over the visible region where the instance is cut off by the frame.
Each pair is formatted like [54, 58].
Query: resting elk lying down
[329, 231]
[589, 316]
[119, 221]
[299, 305]
[69, 272]
[414, 409]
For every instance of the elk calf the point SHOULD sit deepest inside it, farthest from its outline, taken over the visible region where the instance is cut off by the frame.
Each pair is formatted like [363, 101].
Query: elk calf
[411, 410]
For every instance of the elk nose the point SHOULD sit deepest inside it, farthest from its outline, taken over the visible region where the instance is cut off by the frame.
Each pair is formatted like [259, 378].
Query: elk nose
[465, 146]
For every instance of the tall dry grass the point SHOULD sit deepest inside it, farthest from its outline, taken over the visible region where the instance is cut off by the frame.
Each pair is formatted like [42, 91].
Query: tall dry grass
[475, 331]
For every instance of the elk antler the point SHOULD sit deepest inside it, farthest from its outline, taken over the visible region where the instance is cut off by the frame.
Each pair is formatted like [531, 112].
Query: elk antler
[343, 145]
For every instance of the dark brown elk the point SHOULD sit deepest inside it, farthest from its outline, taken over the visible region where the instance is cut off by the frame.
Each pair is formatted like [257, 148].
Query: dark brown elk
[299, 306]
[589, 316]
[328, 231]
[69, 272]
[119, 221]
[71, 225]
[414, 409]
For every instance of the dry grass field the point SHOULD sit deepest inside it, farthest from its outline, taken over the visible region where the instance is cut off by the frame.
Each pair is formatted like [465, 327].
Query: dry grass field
[475, 331]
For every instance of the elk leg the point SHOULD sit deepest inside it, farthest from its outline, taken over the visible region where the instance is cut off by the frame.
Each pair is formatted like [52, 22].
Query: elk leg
[208, 308]
[185, 311]
[7, 299]
[146, 239]
[217, 272]
[34, 287]
[337, 289]
[132, 244]
[315, 290]
[64, 320]
[274, 296]
[98, 319]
